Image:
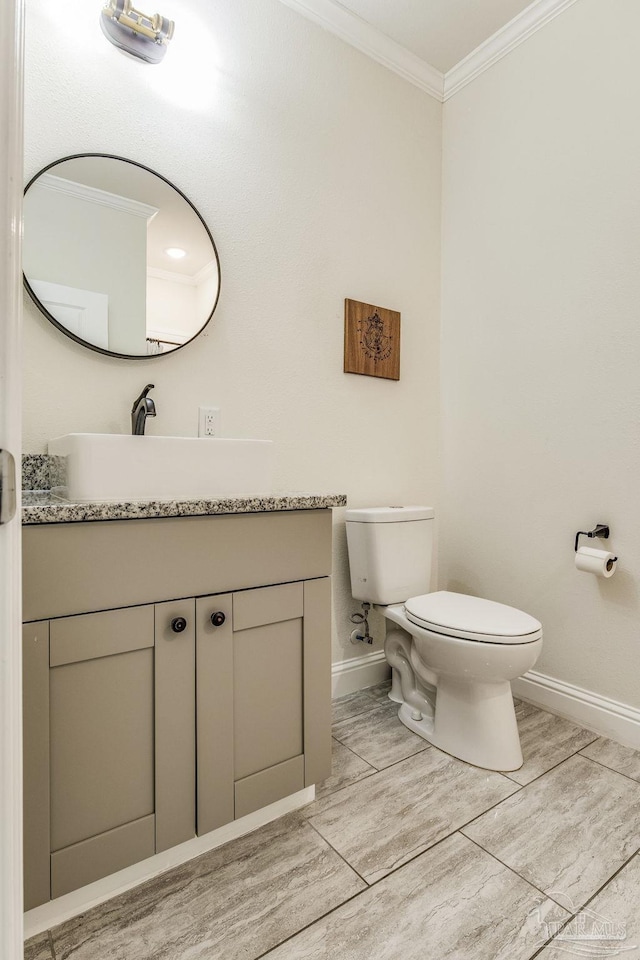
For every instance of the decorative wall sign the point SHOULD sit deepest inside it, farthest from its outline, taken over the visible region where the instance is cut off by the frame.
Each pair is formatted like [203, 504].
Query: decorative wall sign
[371, 340]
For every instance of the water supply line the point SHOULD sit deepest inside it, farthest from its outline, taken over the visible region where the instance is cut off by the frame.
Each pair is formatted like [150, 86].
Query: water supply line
[362, 635]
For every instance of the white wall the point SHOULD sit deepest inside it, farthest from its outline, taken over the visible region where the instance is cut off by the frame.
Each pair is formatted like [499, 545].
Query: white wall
[541, 338]
[207, 290]
[172, 307]
[318, 172]
[81, 244]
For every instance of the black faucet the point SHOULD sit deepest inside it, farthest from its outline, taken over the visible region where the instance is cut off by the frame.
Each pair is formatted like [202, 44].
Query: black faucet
[142, 408]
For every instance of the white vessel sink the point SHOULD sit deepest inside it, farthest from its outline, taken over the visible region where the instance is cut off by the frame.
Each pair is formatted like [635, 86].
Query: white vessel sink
[116, 467]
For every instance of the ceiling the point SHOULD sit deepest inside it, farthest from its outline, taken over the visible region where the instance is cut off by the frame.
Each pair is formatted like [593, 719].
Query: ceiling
[440, 32]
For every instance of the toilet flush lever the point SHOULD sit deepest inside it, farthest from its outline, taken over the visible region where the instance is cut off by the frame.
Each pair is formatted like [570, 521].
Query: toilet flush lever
[600, 530]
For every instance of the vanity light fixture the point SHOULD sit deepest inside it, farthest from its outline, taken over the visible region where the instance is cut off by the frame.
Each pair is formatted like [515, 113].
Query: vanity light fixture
[143, 36]
[176, 253]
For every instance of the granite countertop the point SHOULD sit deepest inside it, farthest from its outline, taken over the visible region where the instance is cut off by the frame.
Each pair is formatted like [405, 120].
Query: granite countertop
[41, 506]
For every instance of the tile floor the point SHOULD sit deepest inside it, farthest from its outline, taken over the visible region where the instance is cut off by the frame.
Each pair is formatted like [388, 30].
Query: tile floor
[406, 854]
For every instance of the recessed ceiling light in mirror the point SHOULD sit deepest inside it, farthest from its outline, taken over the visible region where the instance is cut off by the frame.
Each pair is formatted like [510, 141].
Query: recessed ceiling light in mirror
[176, 253]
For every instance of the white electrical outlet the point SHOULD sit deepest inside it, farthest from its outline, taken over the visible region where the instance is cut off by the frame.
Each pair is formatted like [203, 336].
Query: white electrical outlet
[209, 421]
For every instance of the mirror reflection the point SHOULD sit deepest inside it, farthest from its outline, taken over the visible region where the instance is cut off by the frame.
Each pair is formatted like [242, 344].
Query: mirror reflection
[117, 257]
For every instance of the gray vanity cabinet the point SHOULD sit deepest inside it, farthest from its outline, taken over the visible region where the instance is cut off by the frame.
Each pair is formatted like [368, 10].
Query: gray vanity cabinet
[149, 720]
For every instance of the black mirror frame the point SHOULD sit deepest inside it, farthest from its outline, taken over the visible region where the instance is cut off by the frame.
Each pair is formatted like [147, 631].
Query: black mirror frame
[91, 346]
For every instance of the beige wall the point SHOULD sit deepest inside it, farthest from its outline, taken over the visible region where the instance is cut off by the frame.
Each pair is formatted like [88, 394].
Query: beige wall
[541, 338]
[318, 172]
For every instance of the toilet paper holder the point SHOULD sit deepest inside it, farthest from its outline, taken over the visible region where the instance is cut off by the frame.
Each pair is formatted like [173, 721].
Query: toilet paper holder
[600, 530]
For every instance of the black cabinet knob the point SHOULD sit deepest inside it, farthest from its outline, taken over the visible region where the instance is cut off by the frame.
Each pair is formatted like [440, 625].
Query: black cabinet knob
[178, 624]
[217, 619]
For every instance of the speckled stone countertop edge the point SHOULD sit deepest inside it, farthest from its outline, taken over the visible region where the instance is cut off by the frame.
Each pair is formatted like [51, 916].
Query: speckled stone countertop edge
[43, 507]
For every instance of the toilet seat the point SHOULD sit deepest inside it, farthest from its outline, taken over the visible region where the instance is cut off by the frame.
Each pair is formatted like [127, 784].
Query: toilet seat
[472, 618]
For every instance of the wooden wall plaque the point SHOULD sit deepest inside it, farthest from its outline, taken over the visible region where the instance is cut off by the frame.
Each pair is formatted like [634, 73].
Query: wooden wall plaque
[371, 340]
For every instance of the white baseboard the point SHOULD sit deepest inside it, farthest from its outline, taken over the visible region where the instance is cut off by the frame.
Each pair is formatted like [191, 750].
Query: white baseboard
[606, 717]
[609, 718]
[358, 672]
[63, 908]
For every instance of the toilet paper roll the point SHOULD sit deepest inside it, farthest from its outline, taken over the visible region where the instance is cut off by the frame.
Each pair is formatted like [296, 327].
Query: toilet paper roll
[600, 562]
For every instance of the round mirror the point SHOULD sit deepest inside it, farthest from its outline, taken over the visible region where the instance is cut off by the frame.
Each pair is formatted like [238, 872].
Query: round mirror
[117, 257]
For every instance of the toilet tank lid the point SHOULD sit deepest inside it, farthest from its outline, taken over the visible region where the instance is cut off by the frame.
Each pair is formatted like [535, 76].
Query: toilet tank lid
[388, 514]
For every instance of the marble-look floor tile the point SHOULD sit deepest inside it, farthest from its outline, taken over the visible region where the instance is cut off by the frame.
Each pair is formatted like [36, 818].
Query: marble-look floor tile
[386, 820]
[38, 948]
[523, 708]
[346, 768]
[568, 832]
[233, 903]
[380, 691]
[609, 926]
[379, 737]
[611, 754]
[546, 741]
[452, 903]
[353, 705]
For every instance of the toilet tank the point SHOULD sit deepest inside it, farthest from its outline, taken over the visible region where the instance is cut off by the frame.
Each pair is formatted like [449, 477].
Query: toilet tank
[390, 552]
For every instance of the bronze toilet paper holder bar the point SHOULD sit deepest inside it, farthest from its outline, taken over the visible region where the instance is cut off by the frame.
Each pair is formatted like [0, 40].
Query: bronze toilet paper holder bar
[600, 530]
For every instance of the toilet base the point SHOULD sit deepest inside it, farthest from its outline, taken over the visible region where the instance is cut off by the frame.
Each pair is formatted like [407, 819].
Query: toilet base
[473, 722]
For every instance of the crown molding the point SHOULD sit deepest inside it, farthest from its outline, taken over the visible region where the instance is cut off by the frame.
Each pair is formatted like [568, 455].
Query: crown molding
[189, 280]
[353, 30]
[209, 270]
[80, 191]
[532, 18]
[361, 35]
[171, 276]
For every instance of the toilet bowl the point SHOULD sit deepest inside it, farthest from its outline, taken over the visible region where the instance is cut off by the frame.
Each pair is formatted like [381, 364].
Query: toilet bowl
[452, 655]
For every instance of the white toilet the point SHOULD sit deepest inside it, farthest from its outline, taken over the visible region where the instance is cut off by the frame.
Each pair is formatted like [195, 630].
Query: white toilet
[452, 656]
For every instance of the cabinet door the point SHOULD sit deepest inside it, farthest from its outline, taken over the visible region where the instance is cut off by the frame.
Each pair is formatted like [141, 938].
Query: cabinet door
[122, 740]
[101, 691]
[263, 675]
[282, 691]
[249, 701]
[267, 695]
[267, 677]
